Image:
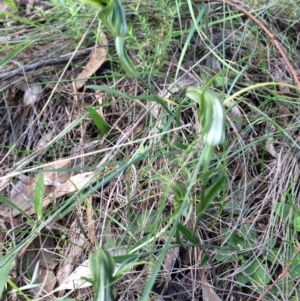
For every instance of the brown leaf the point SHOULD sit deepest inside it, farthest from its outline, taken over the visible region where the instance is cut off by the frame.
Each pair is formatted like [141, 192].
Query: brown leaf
[72, 185]
[208, 293]
[32, 95]
[22, 193]
[95, 61]
[72, 250]
[90, 220]
[41, 250]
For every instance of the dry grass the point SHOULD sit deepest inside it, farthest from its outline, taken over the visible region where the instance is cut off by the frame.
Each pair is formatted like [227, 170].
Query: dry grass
[129, 211]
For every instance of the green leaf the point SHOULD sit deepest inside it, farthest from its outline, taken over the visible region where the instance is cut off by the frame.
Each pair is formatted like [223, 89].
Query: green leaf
[5, 269]
[226, 255]
[297, 223]
[101, 3]
[188, 234]
[124, 59]
[99, 121]
[144, 221]
[247, 230]
[242, 278]
[112, 91]
[258, 273]
[283, 285]
[11, 204]
[177, 238]
[125, 259]
[102, 269]
[212, 192]
[207, 174]
[273, 257]
[283, 210]
[178, 189]
[11, 4]
[113, 16]
[236, 241]
[15, 52]
[294, 270]
[204, 260]
[39, 196]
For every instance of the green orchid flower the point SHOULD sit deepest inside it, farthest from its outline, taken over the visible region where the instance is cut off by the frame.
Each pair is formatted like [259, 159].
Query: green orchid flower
[212, 115]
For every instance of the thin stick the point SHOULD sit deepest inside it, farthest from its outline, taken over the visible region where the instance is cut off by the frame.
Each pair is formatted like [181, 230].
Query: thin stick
[271, 36]
[282, 275]
[48, 62]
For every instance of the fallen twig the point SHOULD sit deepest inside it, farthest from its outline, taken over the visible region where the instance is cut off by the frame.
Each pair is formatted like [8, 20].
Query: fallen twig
[282, 275]
[271, 36]
[48, 62]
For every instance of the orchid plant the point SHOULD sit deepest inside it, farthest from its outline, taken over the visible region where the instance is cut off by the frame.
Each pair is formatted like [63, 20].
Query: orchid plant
[113, 17]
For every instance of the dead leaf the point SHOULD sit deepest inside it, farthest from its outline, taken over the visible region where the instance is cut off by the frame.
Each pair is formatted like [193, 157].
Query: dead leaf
[169, 263]
[22, 192]
[41, 251]
[90, 220]
[32, 95]
[208, 293]
[75, 279]
[72, 185]
[72, 253]
[95, 61]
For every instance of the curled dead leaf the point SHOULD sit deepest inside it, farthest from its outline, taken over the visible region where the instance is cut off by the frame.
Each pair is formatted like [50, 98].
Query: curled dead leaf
[95, 61]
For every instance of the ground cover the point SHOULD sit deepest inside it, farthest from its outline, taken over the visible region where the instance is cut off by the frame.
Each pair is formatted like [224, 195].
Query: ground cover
[115, 180]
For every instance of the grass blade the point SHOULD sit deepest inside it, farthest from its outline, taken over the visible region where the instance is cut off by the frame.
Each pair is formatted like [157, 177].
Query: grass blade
[99, 121]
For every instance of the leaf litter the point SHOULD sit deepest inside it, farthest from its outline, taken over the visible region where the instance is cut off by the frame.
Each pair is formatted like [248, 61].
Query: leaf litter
[68, 104]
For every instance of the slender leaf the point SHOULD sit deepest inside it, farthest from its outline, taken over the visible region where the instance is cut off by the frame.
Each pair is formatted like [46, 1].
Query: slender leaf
[188, 234]
[226, 255]
[259, 273]
[14, 206]
[5, 269]
[155, 98]
[99, 121]
[39, 196]
[177, 238]
[178, 189]
[15, 52]
[212, 192]
[11, 4]
[102, 269]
